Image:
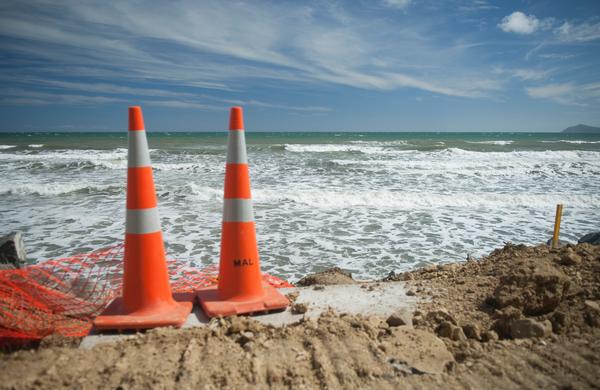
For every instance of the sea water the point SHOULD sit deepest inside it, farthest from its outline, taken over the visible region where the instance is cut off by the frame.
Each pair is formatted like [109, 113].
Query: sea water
[369, 203]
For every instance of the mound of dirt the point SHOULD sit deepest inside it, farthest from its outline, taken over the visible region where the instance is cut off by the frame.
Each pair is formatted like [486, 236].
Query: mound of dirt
[527, 314]
[330, 276]
[523, 317]
[332, 352]
[534, 285]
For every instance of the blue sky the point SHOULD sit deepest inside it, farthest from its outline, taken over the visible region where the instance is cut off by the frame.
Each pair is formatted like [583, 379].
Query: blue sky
[362, 65]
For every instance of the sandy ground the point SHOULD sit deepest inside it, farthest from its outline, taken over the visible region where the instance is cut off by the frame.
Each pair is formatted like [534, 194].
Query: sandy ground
[523, 317]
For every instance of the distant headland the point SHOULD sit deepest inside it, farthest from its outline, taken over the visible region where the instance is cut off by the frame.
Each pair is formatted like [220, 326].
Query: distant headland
[582, 129]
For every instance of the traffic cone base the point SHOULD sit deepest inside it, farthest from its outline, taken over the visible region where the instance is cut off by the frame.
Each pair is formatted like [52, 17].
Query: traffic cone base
[116, 316]
[213, 306]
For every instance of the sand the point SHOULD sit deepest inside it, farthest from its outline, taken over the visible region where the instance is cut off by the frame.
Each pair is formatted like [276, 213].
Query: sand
[523, 317]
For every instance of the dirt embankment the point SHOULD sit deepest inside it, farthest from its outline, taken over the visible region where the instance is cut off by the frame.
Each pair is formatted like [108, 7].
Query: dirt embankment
[524, 317]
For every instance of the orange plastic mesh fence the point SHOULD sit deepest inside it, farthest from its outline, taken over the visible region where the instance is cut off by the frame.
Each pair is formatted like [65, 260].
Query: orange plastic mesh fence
[63, 296]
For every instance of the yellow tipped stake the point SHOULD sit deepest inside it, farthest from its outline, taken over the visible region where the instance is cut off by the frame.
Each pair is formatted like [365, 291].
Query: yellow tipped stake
[559, 208]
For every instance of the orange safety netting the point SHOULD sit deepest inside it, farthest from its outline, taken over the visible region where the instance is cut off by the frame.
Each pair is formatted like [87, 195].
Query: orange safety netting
[63, 296]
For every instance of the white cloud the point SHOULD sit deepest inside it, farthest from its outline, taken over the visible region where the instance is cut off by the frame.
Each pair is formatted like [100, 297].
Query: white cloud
[525, 74]
[550, 91]
[397, 3]
[18, 97]
[583, 32]
[567, 93]
[520, 23]
[204, 44]
[181, 104]
[478, 5]
[556, 56]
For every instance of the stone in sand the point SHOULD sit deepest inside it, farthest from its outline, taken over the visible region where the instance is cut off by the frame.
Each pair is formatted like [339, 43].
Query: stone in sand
[569, 257]
[400, 317]
[419, 352]
[331, 276]
[299, 308]
[590, 238]
[12, 251]
[472, 331]
[528, 327]
[450, 331]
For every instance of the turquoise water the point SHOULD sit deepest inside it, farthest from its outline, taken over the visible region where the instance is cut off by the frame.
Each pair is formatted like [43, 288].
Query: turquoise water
[368, 202]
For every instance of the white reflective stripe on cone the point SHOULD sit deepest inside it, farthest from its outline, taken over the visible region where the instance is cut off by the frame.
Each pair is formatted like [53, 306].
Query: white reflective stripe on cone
[236, 147]
[238, 210]
[138, 155]
[142, 221]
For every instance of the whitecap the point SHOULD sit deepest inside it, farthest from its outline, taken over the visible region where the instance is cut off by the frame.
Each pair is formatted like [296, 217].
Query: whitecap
[386, 200]
[112, 159]
[53, 189]
[332, 148]
[499, 142]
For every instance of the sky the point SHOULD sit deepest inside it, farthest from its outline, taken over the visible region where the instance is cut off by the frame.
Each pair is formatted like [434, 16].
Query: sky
[360, 65]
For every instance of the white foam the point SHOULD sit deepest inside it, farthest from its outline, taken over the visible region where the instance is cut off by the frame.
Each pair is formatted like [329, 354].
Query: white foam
[54, 189]
[332, 148]
[377, 209]
[580, 142]
[112, 159]
[576, 142]
[36, 145]
[500, 142]
[202, 192]
[386, 200]
[2, 147]
[383, 143]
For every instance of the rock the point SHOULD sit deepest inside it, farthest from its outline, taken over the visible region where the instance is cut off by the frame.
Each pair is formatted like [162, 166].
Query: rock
[450, 331]
[504, 318]
[236, 325]
[570, 257]
[452, 267]
[299, 308]
[246, 337]
[331, 276]
[590, 238]
[593, 305]
[12, 250]
[528, 327]
[458, 334]
[490, 335]
[399, 318]
[592, 313]
[472, 331]
[534, 285]
[444, 329]
[440, 315]
[419, 352]
[292, 296]
[560, 321]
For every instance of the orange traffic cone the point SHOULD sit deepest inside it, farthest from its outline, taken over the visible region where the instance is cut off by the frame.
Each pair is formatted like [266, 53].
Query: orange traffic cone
[240, 288]
[147, 301]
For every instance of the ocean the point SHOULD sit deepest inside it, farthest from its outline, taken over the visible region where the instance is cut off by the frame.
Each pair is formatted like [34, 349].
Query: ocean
[369, 203]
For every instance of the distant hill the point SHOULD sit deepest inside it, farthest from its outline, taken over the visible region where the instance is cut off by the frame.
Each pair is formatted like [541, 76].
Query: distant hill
[582, 129]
